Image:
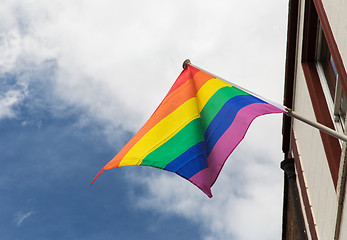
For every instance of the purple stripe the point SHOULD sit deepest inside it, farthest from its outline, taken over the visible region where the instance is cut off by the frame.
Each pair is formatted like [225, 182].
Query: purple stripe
[201, 180]
[228, 142]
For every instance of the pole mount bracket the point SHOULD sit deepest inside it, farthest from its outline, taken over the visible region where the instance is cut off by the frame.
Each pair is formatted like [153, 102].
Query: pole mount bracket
[185, 63]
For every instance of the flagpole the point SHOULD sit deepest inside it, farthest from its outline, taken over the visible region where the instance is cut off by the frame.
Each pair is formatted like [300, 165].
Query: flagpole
[321, 127]
[289, 112]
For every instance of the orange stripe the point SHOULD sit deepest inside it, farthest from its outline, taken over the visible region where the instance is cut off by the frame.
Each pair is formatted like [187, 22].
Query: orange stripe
[200, 79]
[173, 101]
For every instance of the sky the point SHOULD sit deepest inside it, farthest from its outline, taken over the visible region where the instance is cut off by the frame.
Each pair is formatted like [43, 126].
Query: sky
[79, 78]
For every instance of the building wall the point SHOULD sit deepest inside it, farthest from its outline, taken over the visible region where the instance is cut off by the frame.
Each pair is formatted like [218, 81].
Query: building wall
[320, 189]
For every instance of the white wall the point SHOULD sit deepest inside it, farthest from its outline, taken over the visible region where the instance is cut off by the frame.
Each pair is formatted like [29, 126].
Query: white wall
[320, 187]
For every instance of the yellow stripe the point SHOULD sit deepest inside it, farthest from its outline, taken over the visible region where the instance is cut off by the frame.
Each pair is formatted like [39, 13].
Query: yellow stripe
[208, 89]
[162, 132]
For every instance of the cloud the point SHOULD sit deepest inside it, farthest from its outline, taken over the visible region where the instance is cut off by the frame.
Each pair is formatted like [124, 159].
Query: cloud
[20, 217]
[10, 98]
[117, 61]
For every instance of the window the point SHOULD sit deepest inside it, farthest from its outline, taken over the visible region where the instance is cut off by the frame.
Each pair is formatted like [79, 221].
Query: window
[334, 94]
[320, 55]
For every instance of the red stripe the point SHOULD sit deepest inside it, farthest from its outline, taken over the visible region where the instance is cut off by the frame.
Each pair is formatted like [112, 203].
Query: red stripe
[185, 76]
[97, 175]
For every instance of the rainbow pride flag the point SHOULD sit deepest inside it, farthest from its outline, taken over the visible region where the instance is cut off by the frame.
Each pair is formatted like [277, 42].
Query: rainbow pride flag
[195, 128]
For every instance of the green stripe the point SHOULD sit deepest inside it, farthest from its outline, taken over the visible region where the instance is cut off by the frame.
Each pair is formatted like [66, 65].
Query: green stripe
[216, 102]
[183, 140]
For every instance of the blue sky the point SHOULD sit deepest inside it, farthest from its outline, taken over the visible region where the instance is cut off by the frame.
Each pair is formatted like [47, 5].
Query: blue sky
[46, 192]
[79, 78]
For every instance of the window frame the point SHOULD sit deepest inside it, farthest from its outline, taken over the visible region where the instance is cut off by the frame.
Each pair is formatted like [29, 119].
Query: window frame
[314, 12]
[330, 81]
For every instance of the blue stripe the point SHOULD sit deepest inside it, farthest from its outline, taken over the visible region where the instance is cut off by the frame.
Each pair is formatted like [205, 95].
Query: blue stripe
[190, 162]
[225, 117]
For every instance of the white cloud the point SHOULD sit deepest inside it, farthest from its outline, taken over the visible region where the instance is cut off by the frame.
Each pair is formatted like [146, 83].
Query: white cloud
[113, 57]
[20, 217]
[10, 49]
[11, 98]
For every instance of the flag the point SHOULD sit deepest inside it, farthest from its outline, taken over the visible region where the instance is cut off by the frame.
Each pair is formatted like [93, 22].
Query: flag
[194, 129]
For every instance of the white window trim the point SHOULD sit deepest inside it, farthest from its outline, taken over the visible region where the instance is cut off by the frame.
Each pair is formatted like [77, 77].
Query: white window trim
[339, 126]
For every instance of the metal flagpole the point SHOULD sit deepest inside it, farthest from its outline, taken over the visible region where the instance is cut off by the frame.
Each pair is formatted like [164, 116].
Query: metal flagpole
[289, 112]
[321, 127]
